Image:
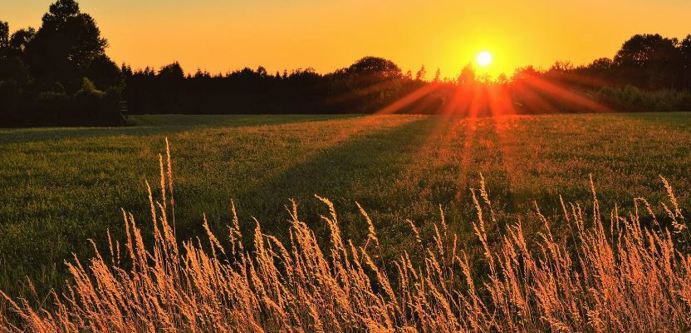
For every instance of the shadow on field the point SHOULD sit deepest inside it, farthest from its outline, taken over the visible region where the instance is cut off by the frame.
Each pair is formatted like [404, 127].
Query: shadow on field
[65, 192]
[362, 169]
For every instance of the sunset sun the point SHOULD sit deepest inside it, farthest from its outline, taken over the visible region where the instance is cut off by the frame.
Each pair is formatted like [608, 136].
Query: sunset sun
[484, 59]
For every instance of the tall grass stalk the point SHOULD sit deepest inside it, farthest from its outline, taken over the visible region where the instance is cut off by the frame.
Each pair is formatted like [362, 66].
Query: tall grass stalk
[606, 275]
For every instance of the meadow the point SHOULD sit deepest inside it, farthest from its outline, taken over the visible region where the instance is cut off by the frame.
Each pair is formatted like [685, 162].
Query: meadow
[62, 186]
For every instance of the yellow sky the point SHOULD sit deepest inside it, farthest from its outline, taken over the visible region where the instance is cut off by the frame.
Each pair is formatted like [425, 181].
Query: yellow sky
[222, 35]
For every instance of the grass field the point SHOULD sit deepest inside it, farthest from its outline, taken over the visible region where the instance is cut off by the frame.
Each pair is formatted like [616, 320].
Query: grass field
[59, 187]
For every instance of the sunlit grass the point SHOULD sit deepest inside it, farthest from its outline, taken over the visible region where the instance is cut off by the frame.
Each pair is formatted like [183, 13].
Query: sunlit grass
[604, 274]
[59, 187]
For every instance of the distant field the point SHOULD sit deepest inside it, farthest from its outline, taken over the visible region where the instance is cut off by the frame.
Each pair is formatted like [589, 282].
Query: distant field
[61, 186]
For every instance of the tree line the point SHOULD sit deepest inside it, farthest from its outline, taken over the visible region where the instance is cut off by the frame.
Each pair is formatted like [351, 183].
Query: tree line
[61, 75]
[368, 85]
[644, 66]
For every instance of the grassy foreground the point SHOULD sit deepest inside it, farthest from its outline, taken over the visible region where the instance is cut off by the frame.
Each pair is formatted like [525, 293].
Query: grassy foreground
[621, 274]
[60, 187]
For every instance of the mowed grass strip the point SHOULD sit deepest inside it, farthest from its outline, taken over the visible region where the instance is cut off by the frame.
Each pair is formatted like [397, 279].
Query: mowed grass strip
[59, 187]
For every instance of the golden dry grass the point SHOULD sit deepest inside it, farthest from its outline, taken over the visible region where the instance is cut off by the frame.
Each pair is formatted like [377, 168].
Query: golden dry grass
[628, 272]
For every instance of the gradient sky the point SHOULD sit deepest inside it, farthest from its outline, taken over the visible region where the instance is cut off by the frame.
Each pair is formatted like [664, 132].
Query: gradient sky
[222, 35]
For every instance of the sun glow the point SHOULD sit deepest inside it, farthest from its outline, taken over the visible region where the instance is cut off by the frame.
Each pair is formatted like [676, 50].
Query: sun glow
[484, 59]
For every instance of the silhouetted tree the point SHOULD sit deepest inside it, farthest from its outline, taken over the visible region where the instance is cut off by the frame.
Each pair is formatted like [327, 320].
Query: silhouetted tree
[561, 66]
[421, 74]
[261, 71]
[650, 61]
[408, 75]
[66, 46]
[21, 38]
[4, 35]
[685, 49]
[437, 75]
[523, 73]
[44, 73]
[467, 75]
[601, 65]
[11, 66]
[374, 66]
[171, 72]
[201, 74]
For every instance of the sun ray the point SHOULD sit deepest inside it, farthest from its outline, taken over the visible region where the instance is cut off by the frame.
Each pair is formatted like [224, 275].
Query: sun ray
[504, 121]
[355, 93]
[471, 124]
[528, 97]
[409, 98]
[566, 95]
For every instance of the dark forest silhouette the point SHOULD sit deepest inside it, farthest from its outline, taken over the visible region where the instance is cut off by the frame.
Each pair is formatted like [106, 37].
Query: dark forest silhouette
[60, 75]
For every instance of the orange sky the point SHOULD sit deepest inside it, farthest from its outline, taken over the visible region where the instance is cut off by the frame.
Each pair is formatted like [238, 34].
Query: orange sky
[222, 35]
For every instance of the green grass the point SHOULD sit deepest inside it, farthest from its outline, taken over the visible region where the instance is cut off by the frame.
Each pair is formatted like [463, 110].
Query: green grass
[61, 186]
